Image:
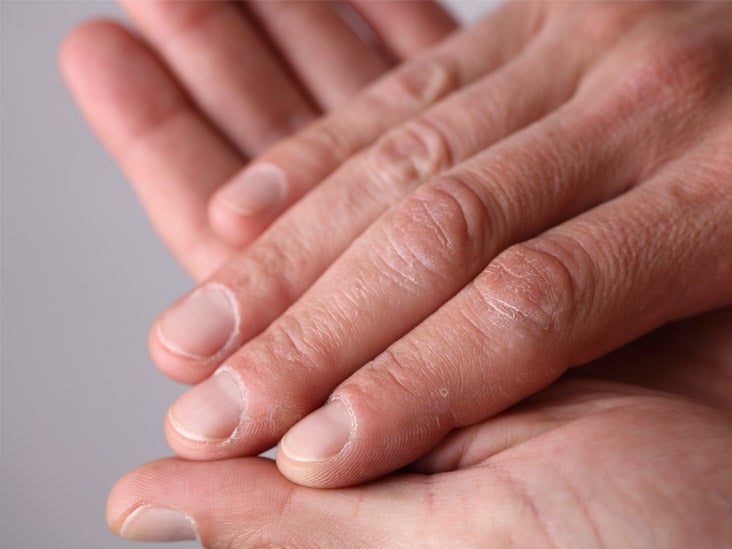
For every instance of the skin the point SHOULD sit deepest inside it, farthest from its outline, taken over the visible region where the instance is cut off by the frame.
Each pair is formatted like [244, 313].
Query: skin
[512, 215]
[685, 135]
[633, 451]
[186, 106]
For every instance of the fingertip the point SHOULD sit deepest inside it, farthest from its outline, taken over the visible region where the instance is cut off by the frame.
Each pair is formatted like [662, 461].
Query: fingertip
[339, 472]
[316, 451]
[211, 411]
[232, 503]
[173, 365]
[214, 420]
[118, 505]
[124, 497]
[231, 226]
[245, 206]
[146, 503]
[189, 446]
[86, 37]
[316, 439]
[362, 434]
[194, 335]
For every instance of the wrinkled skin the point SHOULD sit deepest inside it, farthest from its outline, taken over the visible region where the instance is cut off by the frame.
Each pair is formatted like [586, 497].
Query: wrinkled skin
[478, 221]
[637, 460]
[583, 202]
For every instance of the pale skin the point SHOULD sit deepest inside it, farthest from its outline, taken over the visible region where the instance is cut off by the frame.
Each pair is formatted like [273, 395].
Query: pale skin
[542, 231]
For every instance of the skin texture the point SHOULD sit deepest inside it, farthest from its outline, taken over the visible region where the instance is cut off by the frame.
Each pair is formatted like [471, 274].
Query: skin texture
[183, 107]
[641, 460]
[476, 223]
[570, 196]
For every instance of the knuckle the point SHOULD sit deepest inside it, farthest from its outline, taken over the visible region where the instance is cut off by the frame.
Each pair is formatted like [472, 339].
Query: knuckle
[299, 341]
[718, 162]
[196, 21]
[534, 288]
[405, 377]
[601, 23]
[393, 370]
[291, 355]
[435, 232]
[411, 152]
[703, 184]
[420, 82]
[702, 192]
[679, 69]
[285, 341]
[275, 267]
[327, 140]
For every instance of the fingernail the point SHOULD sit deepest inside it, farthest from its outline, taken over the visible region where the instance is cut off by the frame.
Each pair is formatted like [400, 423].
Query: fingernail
[202, 324]
[321, 435]
[211, 411]
[259, 189]
[148, 523]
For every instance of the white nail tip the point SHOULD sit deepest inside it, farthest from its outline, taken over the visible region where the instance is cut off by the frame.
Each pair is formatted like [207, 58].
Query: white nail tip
[148, 523]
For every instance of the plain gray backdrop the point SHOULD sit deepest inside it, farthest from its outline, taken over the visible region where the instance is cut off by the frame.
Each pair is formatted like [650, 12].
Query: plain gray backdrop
[83, 276]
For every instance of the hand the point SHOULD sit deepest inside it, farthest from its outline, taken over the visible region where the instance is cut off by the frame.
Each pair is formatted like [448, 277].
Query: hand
[211, 84]
[586, 462]
[546, 213]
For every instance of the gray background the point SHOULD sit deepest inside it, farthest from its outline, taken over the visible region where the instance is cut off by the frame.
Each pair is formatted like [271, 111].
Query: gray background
[83, 276]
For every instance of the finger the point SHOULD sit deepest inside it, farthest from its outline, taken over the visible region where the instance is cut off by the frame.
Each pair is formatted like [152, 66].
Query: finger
[407, 28]
[328, 56]
[263, 286]
[248, 503]
[256, 196]
[542, 306]
[226, 67]
[692, 358]
[173, 157]
[508, 499]
[403, 269]
[525, 280]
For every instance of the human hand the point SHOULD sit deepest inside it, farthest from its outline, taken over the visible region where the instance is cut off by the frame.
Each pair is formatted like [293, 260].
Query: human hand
[546, 212]
[585, 463]
[211, 84]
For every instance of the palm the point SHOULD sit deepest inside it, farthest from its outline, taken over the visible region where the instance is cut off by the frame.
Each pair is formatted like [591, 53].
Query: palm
[588, 461]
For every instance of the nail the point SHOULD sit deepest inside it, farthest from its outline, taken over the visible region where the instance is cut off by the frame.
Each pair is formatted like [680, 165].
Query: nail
[321, 435]
[259, 189]
[202, 324]
[211, 411]
[148, 523]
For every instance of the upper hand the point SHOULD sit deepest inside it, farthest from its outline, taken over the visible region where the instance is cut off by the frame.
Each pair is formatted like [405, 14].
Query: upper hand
[561, 181]
[548, 211]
